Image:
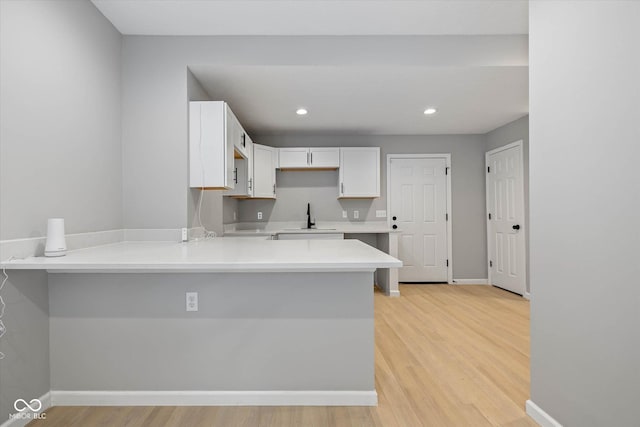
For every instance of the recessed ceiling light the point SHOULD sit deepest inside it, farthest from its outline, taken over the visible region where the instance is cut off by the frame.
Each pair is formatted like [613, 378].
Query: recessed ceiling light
[301, 111]
[430, 111]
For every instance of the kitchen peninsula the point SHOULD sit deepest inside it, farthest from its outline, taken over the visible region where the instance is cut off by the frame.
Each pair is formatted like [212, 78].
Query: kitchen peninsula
[277, 322]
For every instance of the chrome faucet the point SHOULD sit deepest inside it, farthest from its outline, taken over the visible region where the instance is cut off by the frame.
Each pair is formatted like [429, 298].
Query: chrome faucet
[309, 223]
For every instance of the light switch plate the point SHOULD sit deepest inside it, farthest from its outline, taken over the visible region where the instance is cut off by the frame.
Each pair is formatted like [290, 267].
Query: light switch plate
[381, 214]
[356, 214]
[344, 214]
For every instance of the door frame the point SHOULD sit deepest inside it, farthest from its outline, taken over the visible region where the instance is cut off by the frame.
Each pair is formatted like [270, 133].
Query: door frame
[518, 143]
[447, 158]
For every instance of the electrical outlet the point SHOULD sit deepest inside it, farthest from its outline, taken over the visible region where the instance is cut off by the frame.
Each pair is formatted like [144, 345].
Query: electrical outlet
[185, 234]
[192, 301]
[259, 215]
[344, 214]
[381, 214]
[356, 214]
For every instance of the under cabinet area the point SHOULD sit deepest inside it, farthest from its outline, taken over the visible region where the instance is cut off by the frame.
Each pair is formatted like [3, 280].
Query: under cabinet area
[309, 158]
[359, 172]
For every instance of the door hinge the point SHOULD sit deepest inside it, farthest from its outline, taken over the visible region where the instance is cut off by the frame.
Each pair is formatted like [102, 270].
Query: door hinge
[446, 216]
[489, 216]
[447, 263]
[446, 170]
[488, 169]
[490, 263]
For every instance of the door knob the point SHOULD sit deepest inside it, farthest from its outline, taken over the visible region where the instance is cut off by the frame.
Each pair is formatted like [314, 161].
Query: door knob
[394, 226]
[394, 218]
[516, 227]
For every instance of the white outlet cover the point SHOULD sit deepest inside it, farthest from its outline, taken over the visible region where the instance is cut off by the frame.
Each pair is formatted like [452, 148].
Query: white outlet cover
[344, 214]
[356, 214]
[192, 301]
[259, 215]
[381, 214]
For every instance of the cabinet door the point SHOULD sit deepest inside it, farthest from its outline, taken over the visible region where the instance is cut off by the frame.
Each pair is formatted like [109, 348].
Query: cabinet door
[264, 172]
[237, 134]
[359, 175]
[240, 179]
[210, 156]
[325, 157]
[293, 158]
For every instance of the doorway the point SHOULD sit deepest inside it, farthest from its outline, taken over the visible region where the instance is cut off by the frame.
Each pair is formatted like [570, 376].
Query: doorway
[419, 205]
[506, 237]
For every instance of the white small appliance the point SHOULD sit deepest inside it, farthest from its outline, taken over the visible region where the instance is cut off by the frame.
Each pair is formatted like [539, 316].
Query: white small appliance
[56, 244]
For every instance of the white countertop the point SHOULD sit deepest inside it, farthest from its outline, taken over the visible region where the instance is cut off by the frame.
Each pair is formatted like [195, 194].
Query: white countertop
[216, 255]
[258, 229]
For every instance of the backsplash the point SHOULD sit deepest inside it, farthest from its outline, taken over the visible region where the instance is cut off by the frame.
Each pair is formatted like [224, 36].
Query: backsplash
[297, 188]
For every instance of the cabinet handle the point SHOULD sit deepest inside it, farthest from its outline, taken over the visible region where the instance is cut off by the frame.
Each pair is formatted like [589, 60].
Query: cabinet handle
[244, 139]
[307, 157]
[312, 158]
[250, 182]
[235, 175]
[274, 189]
[342, 187]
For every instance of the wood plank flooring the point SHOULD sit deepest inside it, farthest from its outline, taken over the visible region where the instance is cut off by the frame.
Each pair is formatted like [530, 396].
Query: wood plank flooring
[445, 356]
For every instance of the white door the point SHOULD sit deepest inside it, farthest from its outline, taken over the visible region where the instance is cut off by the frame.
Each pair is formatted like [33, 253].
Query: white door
[418, 206]
[505, 215]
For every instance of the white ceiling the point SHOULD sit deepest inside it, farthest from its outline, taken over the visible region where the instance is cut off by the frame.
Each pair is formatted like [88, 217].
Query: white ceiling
[470, 63]
[316, 17]
[370, 100]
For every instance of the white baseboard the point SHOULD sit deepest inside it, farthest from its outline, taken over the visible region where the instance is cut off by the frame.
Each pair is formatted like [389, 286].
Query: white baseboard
[470, 281]
[540, 416]
[213, 398]
[527, 295]
[394, 293]
[45, 399]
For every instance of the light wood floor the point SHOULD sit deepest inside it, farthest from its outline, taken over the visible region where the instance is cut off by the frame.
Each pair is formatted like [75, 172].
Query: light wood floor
[445, 356]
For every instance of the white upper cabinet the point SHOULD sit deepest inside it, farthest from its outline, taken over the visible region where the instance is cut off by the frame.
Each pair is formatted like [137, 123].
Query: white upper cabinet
[264, 172]
[211, 146]
[241, 140]
[243, 173]
[293, 158]
[359, 175]
[309, 158]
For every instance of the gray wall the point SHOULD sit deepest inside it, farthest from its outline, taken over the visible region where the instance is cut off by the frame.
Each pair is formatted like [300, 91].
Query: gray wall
[24, 372]
[512, 132]
[320, 188]
[264, 331]
[585, 199]
[60, 154]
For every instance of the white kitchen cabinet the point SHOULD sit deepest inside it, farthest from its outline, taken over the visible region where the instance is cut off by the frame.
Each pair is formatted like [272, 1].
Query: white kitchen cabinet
[264, 172]
[241, 141]
[359, 172]
[309, 158]
[293, 158]
[211, 150]
[243, 174]
[215, 138]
